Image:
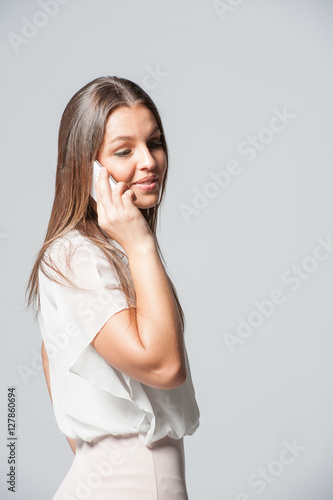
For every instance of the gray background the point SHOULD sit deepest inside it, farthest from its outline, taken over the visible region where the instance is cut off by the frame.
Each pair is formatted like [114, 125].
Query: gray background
[217, 72]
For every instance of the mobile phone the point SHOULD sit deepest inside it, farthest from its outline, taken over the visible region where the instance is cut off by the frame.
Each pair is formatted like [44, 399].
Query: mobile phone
[96, 170]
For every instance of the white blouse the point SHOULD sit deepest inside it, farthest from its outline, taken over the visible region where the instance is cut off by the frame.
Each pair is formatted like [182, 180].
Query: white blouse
[90, 397]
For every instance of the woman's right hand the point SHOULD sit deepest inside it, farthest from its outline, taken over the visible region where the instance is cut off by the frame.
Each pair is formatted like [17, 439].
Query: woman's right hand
[118, 216]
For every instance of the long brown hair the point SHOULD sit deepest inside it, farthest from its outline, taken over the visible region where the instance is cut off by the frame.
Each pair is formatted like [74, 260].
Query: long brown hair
[81, 134]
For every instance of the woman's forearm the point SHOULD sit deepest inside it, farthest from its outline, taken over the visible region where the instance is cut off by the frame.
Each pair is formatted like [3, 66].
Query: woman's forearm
[158, 320]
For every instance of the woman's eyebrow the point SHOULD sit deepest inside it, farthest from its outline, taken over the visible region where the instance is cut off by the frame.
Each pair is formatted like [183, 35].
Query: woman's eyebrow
[128, 138]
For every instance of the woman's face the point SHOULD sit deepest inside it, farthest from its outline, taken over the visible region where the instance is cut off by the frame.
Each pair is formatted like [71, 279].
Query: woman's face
[131, 151]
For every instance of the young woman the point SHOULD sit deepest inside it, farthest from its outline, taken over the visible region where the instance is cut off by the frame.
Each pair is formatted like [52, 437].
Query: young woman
[112, 326]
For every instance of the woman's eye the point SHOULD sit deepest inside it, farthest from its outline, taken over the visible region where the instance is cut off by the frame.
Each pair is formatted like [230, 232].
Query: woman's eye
[123, 153]
[156, 144]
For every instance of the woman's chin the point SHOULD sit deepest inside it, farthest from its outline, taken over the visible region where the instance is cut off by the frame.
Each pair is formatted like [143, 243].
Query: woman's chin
[146, 201]
[144, 206]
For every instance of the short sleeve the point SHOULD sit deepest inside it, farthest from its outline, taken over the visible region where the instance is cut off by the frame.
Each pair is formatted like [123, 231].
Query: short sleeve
[72, 316]
[90, 397]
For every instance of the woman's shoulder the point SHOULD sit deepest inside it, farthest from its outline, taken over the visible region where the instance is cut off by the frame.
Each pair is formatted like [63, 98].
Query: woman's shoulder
[76, 247]
[71, 246]
[72, 254]
[70, 240]
[74, 242]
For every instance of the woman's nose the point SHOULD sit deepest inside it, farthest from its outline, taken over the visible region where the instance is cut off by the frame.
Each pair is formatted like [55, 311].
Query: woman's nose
[146, 159]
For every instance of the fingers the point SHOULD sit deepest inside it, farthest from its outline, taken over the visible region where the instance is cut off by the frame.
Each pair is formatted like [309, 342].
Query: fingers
[108, 198]
[117, 214]
[100, 208]
[128, 198]
[105, 192]
[97, 189]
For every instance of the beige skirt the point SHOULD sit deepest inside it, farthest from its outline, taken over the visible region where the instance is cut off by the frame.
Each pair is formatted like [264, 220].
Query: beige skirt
[123, 468]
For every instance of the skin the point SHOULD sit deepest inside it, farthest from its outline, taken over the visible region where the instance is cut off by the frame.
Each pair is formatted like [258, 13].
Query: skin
[133, 159]
[128, 160]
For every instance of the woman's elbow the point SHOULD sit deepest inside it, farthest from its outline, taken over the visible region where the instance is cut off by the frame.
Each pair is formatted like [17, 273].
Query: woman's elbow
[174, 377]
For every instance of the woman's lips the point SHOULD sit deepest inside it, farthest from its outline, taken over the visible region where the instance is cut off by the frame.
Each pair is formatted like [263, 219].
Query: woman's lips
[146, 186]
